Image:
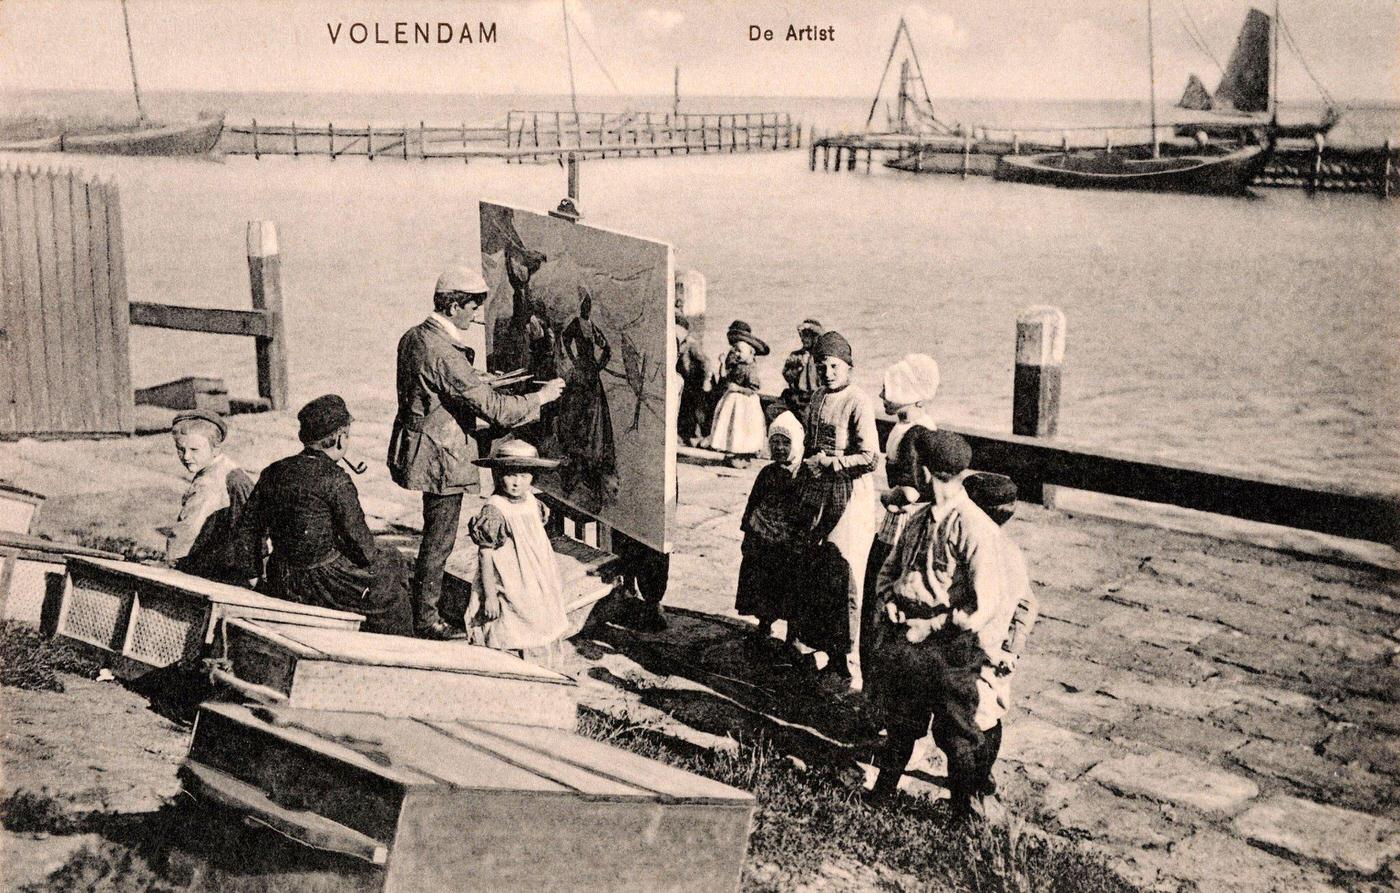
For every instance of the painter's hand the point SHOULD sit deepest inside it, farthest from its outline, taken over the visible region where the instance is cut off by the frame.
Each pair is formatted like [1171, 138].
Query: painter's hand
[893, 612]
[550, 390]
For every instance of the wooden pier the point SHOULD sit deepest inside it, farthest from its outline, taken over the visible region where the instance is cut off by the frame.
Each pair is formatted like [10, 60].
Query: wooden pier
[528, 135]
[1299, 164]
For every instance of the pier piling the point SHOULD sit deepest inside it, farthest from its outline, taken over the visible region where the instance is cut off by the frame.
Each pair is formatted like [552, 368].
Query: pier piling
[265, 277]
[1035, 398]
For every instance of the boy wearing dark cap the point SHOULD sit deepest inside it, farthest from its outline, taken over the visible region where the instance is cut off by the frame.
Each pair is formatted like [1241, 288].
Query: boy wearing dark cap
[322, 551]
[943, 598]
[202, 539]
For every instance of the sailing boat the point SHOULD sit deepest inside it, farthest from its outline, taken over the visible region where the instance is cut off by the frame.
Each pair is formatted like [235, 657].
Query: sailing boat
[145, 138]
[1242, 99]
[1203, 168]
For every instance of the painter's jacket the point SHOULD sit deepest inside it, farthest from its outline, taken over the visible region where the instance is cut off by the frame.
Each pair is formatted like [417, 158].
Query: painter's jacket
[441, 395]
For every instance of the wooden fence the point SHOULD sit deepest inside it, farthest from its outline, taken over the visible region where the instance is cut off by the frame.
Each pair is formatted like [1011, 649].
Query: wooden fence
[528, 136]
[64, 365]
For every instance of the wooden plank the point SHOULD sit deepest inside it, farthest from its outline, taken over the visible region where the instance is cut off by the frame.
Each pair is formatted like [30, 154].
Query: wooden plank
[629, 768]
[40, 416]
[29, 543]
[59, 383]
[431, 694]
[10, 319]
[126, 573]
[215, 321]
[376, 650]
[98, 261]
[81, 391]
[96, 335]
[564, 773]
[124, 405]
[304, 826]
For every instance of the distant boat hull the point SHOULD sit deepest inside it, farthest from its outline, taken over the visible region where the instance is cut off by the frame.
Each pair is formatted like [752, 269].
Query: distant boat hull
[191, 138]
[1227, 173]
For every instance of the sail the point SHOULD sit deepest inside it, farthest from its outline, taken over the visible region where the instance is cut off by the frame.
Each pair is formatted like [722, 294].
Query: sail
[1245, 85]
[1195, 97]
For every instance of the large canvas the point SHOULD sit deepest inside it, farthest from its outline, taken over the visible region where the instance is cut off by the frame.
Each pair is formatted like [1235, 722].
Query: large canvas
[593, 307]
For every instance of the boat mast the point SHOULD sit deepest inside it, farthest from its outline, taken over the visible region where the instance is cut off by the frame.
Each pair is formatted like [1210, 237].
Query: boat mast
[1152, 83]
[676, 99]
[1273, 69]
[131, 57]
[568, 48]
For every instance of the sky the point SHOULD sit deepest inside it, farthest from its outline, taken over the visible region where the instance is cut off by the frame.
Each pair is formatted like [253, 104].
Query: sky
[1021, 49]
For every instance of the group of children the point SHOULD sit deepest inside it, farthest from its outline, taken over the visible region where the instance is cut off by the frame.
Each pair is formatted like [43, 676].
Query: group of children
[925, 609]
[517, 598]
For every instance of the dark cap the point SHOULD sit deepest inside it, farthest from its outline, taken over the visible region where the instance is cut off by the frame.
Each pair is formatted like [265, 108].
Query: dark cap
[323, 417]
[201, 415]
[834, 344]
[993, 493]
[942, 453]
[810, 325]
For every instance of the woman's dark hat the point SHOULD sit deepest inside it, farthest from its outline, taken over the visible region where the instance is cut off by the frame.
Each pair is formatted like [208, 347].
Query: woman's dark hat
[519, 456]
[760, 347]
[323, 417]
[834, 344]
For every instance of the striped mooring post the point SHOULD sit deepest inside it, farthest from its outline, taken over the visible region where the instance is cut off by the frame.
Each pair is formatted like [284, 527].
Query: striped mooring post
[1035, 397]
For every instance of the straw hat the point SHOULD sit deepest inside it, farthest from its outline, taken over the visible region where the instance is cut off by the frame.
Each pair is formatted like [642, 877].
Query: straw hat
[517, 455]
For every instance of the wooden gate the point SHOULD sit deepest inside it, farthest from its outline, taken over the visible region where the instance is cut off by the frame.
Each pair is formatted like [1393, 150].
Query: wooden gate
[64, 365]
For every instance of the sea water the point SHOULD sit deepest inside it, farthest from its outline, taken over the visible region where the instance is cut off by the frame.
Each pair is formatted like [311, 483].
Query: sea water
[1259, 334]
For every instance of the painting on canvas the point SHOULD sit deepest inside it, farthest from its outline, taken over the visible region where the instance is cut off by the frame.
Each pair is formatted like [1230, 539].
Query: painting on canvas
[594, 308]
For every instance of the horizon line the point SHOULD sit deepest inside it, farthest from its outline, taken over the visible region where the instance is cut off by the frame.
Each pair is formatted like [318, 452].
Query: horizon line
[1375, 103]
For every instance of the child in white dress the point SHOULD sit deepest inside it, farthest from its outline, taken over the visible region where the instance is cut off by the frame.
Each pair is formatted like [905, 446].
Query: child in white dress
[518, 599]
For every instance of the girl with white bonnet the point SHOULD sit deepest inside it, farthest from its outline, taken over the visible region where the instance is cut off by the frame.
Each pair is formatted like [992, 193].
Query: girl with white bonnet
[768, 572]
[909, 387]
[837, 490]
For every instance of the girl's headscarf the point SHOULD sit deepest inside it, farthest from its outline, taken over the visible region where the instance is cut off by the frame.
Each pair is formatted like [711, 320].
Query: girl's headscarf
[788, 425]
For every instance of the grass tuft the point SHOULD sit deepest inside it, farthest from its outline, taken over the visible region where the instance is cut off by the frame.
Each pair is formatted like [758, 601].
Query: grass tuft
[813, 828]
[28, 659]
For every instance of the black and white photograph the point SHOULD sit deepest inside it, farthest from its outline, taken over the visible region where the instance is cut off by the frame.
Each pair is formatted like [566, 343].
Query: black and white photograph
[679, 445]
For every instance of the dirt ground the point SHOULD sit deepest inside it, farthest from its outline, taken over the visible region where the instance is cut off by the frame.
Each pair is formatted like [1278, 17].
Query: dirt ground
[1202, 711]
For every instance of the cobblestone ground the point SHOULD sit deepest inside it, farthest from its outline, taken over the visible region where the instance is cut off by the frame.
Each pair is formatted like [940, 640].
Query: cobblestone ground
[1200, 710]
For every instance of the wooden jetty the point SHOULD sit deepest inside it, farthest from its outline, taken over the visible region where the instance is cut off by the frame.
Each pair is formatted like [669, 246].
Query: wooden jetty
[1301, 164]
[529, 135]
[470, 805]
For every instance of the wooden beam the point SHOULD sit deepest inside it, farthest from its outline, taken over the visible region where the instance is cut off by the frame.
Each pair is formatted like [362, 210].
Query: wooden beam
[1033, 462]
[215, 321]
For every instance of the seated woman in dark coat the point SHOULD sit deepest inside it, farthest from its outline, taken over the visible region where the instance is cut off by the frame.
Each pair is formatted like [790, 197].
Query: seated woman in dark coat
[322, 551]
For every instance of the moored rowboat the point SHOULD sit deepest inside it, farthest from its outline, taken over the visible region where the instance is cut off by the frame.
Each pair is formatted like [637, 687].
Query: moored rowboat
[1227, 173]
[189, 138]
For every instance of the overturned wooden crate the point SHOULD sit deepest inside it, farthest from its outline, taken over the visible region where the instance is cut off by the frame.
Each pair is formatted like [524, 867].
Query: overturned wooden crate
[31, 577]
[337, 669]
[145, 618]
[19, 509]
[447, 806]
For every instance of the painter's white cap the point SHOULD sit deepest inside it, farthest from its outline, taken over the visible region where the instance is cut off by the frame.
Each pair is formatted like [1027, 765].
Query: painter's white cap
[461, 278]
